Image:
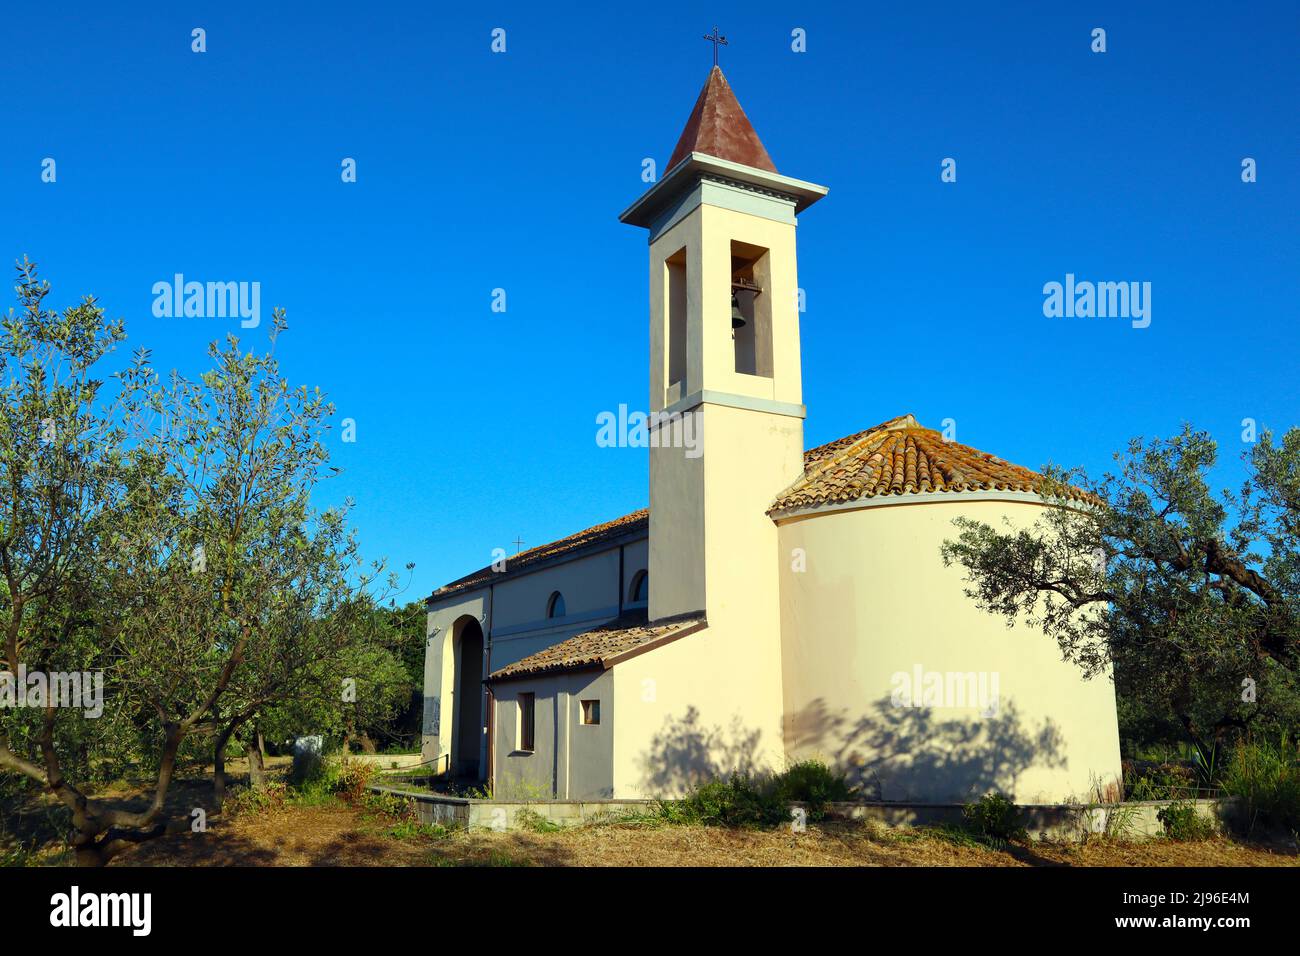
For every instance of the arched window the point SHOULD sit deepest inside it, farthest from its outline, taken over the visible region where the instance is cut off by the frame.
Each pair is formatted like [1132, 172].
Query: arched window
[555, 606]
[640, 592]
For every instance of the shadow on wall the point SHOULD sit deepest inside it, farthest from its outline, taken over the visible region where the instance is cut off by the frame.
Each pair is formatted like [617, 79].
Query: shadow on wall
[917, 753]
[888, 753]
[686, 753]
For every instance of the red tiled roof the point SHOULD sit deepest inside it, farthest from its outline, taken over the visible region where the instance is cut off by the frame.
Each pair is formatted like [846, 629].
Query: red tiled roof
[628, 524]
[719, 127]
[605, 645]
[900, 457]
[896, 457]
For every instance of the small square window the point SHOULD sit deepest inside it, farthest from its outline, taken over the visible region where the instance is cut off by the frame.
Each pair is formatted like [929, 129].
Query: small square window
[526, 712]
[591, 711]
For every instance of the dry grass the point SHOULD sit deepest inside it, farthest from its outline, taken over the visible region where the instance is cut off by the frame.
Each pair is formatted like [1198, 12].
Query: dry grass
[335, 834]
[342, 836]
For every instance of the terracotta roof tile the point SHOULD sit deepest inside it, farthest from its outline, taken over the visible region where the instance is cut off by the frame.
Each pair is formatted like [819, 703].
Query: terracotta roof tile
[900, 457]
[602, 646]
[896, 457]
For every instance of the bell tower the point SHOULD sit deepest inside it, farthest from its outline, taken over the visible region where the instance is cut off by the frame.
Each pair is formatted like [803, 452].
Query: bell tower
[724, 353]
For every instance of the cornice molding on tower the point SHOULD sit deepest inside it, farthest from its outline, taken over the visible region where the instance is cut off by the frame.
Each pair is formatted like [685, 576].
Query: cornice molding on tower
[688, 174]
[749, 403]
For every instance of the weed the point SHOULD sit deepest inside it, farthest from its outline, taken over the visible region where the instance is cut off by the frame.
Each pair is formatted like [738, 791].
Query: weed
[255, 801]
[1267, 779]
[414, 830]
[994, 819]
[1182, 822]
[391, 805]
[950, 833]
[530, 819]
[353, 779]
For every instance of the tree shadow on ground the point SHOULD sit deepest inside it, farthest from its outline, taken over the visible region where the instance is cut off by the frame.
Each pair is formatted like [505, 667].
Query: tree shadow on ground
[218, 846]
[502, 849]
[37, 819]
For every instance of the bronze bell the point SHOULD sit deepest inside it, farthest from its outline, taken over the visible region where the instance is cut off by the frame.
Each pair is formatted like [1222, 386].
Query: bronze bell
[737, 319]
[750, 290]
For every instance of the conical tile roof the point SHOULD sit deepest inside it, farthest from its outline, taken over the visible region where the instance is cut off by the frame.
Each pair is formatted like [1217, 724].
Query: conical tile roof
[719, 127]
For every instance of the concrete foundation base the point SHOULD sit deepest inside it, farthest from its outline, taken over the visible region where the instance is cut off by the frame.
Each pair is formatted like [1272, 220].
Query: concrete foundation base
[1055, 822]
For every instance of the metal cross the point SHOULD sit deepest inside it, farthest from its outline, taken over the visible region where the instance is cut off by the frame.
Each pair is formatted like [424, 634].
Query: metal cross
[517, 543]
[717, 40]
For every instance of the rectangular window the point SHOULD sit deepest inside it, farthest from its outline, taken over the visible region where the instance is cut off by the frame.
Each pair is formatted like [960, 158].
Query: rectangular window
[527, 709]
[591, 711]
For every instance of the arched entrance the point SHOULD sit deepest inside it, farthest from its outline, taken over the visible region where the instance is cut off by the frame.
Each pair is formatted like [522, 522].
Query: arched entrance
[467, 700]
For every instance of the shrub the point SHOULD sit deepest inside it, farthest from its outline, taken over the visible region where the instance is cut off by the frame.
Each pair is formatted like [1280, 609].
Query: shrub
[318, 786]
[353, 779]
[814, 784]
[14, 852]
[1182, 822]
[1159, 782]
[1267, 779]
[391, 805]
[740, 801]
[752, 801]
[994, 818]
[251, 801]
[309, 774]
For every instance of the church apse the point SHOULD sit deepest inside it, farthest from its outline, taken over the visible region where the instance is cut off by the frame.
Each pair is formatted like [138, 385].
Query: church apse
[894, 676]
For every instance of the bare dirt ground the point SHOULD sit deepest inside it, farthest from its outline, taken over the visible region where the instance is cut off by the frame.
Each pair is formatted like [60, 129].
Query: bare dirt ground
[333, 833]
[343, 836]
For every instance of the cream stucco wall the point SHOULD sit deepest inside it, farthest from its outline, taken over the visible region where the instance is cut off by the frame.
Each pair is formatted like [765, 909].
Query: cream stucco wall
[701, 707]
[706, 235]
[875, 601]
[711, 702]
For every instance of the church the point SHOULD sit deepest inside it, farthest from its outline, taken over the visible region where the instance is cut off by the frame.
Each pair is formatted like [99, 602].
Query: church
[774, 603]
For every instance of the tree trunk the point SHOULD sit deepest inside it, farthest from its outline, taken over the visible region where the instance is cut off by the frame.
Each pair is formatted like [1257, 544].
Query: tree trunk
[99, 832]
[219, 764]
[349, 730]
[90, 855]
[256, 763]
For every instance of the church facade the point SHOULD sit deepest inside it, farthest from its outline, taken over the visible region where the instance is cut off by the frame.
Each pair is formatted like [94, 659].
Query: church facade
[773, 603]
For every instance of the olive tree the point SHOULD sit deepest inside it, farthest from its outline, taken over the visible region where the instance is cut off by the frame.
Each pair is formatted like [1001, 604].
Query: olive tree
[168, 539]
[59, 490]
[1193, 596]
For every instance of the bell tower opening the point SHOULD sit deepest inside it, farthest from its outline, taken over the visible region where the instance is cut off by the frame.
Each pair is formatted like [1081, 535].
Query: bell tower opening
[751, 310]
[676, 285]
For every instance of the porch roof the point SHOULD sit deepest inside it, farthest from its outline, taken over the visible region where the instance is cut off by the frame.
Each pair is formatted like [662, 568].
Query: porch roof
[604, 646]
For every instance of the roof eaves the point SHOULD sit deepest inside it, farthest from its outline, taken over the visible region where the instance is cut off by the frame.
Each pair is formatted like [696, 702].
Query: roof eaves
[697, 622]
[472, 581]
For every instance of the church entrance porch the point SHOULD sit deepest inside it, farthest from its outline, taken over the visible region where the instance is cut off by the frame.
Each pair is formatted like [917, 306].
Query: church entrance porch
[468, 701]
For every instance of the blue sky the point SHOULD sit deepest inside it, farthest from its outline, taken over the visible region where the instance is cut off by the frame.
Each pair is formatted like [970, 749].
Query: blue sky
[479, 171]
